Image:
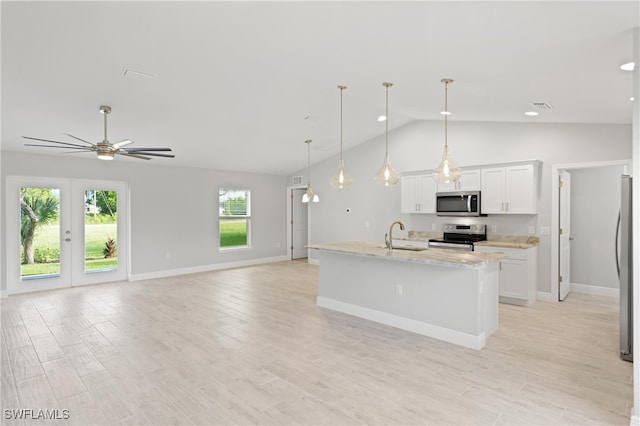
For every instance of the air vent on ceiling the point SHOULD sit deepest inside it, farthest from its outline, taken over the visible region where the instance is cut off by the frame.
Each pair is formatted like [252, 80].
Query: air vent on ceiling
[542, 106]
[296, 180]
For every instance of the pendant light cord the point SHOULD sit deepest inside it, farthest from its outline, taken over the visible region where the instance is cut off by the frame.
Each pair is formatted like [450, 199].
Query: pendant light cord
[308, 142]
[386, 122]
[446, 113]
[341, 90]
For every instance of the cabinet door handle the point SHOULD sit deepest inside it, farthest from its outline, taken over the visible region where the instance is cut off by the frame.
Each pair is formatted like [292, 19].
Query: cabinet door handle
[502, 207]
[506, 209]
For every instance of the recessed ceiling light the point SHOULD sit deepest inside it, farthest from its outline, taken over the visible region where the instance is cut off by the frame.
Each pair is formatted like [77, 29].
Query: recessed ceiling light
[445, 112]
[382, 118]
[629, 66]
[531, 113]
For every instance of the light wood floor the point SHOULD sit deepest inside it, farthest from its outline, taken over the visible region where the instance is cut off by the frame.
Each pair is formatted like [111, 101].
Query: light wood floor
[249, 346]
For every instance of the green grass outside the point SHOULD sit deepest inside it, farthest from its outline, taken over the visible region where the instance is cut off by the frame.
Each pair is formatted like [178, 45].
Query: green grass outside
[95, 239]
[233, 233]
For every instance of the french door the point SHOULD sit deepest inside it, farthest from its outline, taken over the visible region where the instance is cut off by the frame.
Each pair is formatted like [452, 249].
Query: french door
[63, 232]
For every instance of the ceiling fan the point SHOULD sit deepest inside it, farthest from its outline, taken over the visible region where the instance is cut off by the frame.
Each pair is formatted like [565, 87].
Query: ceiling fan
[105, 149]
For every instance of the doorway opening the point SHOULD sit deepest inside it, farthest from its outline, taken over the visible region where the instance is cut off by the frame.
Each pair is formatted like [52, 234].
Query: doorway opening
[298, 223]
[585, 204]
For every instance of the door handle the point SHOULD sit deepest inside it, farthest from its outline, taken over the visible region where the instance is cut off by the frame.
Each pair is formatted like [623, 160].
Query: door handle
[67, 239]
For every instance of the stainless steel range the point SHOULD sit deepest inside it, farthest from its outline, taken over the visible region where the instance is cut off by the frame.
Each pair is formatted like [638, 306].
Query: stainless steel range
[459, 237]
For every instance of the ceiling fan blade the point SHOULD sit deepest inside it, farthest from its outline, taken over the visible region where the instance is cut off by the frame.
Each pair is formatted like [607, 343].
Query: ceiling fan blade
[135, 156]
[147, 149]
[122, 143]
[153, 154]
[78, 147]
[61, 143]
[81, 140]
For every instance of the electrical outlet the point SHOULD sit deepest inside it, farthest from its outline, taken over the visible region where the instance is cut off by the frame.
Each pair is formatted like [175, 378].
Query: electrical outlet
[532, 230]
[434, 227]
[494, 228]
[545, 230]
[398, 289]
[278, 244]
[168, 255]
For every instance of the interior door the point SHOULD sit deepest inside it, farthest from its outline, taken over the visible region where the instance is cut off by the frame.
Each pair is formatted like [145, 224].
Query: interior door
[299, 224]
[564, 261]
[59, 237]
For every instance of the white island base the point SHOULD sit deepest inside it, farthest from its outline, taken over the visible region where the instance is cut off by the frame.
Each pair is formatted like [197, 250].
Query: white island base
[457, 303]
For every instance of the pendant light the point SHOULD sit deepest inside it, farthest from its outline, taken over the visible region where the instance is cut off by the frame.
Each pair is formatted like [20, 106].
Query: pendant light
[387, 175]
[309, 195]
[447, 171]
[341, 179]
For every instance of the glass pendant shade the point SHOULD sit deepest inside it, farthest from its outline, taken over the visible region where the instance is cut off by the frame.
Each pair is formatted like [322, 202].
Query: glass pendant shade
[387, 175]
[447, 171]
[341, 179]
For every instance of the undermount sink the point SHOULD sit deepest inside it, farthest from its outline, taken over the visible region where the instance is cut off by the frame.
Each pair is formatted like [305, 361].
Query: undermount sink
[411, 248]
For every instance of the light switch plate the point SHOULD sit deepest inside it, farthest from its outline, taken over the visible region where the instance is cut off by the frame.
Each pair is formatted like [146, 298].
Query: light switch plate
[545, 230]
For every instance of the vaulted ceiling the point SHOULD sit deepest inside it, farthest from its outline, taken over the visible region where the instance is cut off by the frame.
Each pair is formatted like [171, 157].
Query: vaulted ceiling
[242, 85]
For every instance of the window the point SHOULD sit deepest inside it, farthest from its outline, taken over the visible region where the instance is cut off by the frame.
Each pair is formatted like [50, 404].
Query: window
[235, 218]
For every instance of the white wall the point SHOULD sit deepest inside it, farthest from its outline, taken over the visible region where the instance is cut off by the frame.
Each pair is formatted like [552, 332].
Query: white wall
[173, 208]
[595, 203]
[418, 146]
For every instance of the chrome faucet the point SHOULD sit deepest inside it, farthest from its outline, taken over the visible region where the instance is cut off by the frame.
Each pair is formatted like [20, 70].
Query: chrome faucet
[389, 241]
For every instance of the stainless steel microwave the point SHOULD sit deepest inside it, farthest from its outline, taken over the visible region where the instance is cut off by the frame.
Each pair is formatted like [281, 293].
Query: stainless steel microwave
[458, 203]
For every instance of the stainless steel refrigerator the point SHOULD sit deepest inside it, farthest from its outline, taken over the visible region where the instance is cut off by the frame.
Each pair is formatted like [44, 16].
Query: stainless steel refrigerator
[625, 270]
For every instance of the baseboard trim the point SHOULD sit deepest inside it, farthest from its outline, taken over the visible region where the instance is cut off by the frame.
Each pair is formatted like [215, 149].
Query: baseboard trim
[596, 290]
[313, 261]
[204, 268]
[419, 327]
[546, 297]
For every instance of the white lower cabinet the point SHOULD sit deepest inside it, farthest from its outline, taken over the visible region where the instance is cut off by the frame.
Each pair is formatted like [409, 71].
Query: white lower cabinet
[518, 279]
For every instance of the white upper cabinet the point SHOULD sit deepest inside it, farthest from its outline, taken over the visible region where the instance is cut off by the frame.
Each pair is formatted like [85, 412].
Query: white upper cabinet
[418, 194]
[510, 189]
[469, 181]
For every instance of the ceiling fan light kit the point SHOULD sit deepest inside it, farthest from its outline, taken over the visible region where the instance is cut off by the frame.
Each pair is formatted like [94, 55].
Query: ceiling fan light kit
[309, 196]
[105, 150]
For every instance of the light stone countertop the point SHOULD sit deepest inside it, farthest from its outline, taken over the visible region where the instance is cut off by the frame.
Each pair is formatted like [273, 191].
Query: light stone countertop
[506, 241]
[510, 241]
[432, 256]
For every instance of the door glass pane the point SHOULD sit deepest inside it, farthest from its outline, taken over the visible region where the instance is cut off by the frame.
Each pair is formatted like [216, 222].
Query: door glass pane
[39, 232]
[100, 230]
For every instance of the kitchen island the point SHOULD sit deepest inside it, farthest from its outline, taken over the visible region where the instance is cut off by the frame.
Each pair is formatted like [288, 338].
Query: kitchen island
[449, 295]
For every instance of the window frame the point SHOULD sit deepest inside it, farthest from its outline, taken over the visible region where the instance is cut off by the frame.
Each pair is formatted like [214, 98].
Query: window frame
[245, 217]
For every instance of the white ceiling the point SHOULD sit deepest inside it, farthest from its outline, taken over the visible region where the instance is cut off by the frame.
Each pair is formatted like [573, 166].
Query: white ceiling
[235, 81]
